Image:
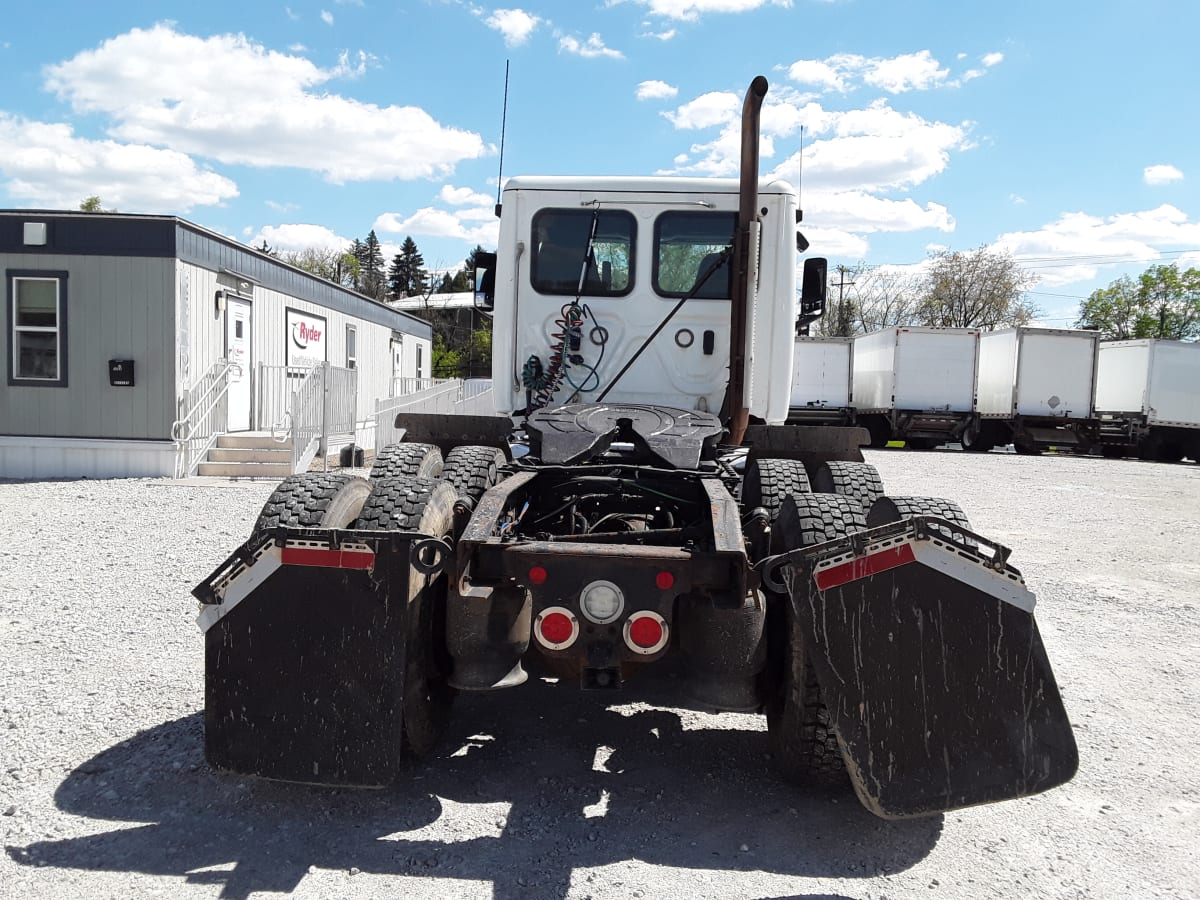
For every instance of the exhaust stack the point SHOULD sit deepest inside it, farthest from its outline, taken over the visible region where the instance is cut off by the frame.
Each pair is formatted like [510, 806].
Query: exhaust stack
[745, 261]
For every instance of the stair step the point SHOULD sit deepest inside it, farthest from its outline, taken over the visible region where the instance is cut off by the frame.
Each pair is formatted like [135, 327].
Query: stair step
[245, 469]
[251, 455]
[251, 441]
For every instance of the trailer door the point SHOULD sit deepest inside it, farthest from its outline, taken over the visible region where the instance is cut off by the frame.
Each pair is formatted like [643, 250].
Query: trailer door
[237, 351]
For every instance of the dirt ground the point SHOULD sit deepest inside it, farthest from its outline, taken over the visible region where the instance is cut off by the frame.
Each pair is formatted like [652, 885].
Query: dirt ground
[543, 791]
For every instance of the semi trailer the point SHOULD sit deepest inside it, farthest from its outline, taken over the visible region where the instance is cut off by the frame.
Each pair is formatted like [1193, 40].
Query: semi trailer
[821, 381]
[915, 384]
[637, 505]
[1148, 401]
[1035, 390]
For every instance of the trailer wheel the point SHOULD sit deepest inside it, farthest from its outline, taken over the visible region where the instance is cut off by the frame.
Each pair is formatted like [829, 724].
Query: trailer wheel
[922, 443]
[413, 460]
[980, 440]
[427, 506]
[769, 482]
[314, 500]
[472, 470]
[886, 510]
[858, 480]
[880, 430]
[1025, 449]
[803, 743]
[1116, 451]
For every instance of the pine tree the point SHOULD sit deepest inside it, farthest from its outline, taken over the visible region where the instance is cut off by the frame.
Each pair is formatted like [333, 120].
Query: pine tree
[371, 265]
[407, 276]
[357, 250]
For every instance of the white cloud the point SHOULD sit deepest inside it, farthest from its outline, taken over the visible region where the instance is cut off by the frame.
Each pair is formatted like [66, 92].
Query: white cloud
[907, 72]
[992, 59]
[284, 207]
[918, 71]
[1100, 242]
[1161, 174]
[515, 24]
[1017, 200]
[661, 35]
[691, 10]
[430, 222]
[461, 196]
[291, 238]
[592, 48]
[291, 14]
[232, 100]
[865, 213]
[713, 108]
[836, 242]
[656, 90]
[297, 48]
[814, 71]
[349, 2]
[326, 17]
[46, 165]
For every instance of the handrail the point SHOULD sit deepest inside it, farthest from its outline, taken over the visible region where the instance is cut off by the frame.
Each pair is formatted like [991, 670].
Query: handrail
[197, 428]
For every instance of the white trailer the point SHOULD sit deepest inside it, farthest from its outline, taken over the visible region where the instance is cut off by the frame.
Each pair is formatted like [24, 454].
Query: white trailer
[915, 385]
[1148, 399]
[1035, 389]
[821, 380]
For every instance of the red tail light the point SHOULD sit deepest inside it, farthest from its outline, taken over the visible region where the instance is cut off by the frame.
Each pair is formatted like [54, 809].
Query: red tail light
[556, 628]
[646, 632]
[664, 580]
[537, 575]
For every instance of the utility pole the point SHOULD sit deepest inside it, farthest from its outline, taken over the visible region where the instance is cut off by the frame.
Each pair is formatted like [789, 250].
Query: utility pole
[842, 324]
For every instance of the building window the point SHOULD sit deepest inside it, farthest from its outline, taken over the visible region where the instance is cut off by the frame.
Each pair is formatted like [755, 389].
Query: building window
[420, 362]
[351, 347]
[560, 240]
[688, 244]
[37, 328]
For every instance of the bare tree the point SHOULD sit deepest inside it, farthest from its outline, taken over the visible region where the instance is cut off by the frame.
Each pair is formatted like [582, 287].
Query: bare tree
[887, 296]
[980, 288]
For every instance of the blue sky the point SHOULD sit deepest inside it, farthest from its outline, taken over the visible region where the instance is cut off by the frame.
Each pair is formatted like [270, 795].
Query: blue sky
[1061, 131]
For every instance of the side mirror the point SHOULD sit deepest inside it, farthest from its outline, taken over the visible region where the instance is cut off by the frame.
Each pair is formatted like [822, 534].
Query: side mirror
[813, 287]
[485, 281]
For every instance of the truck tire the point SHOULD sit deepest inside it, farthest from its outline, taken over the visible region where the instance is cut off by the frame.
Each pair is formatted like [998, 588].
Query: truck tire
[922, 443]
[472, 470]
[804, 746]
[858, 480]
[880, 430]
[886, 510]
[982, 440]
[1026, 449]
[412, 460]
[423, 505]
[1116, 451]
[768, 482]
[313, 500]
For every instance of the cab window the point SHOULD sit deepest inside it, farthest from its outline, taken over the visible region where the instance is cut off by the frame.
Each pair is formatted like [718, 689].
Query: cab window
[560, 248]
[686, 245]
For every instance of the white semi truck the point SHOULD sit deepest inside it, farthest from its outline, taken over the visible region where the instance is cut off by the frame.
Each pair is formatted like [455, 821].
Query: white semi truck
[1148, 399]
[658, 519]
[915, 384]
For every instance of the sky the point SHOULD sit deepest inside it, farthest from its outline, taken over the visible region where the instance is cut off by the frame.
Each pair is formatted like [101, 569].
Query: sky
[1062, 132]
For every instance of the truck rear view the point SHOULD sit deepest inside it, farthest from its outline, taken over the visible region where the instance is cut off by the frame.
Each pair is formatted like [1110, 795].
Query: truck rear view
[608, 536]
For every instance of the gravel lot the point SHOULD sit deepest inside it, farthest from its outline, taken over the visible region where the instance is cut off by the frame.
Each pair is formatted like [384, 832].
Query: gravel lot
[546, 792]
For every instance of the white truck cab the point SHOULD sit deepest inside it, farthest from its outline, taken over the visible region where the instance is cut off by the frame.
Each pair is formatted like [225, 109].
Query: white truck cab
[588, 268]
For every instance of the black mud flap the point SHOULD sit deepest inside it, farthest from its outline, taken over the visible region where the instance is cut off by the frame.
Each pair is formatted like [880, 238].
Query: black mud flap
[930, 662]
[304, 654]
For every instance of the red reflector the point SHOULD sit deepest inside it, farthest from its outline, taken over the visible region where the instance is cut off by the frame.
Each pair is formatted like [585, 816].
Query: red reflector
[327, 559]
[664, 580]
[556, 628]
[646, 631]
[537, 575]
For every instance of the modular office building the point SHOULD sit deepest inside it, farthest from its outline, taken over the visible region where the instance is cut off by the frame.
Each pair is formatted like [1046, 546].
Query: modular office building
[112, 321]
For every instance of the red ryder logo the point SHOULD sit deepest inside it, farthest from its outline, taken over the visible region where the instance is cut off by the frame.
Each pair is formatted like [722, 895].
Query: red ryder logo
[303, 334]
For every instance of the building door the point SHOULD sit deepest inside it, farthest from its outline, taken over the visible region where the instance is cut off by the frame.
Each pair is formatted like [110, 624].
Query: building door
[397, 367]
[237, 351]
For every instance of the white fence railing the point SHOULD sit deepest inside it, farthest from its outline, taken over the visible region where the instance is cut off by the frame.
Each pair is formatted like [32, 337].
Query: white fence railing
[202, 417]
[447, 396]
[308, 407]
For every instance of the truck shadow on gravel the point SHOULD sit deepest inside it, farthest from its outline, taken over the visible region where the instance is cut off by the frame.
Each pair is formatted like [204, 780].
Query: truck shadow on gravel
[529, 787]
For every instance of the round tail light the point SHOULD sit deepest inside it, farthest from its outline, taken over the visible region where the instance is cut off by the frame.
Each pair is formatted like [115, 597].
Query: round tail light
[601, 602]
[646, 632]
[556, 628]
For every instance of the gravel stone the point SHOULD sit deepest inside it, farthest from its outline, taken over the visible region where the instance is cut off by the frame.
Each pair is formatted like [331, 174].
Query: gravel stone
[113, 798]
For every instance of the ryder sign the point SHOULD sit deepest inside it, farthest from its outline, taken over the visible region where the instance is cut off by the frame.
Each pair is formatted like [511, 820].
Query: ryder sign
[306, 341]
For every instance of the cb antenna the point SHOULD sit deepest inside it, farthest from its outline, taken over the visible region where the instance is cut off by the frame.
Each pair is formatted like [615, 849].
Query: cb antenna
[800, 182]
[503, 124]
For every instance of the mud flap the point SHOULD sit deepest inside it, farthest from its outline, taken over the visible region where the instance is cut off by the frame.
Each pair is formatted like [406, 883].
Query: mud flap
[930, 663]
[305, 654]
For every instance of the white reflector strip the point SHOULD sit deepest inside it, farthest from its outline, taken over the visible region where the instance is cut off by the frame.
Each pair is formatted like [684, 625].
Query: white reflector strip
[237, 590]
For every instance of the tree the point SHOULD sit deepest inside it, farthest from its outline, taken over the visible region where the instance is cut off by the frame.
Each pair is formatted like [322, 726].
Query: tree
[92, 204]
[371, 275]
[1163, 303]
[975, 289]
[406, 277]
